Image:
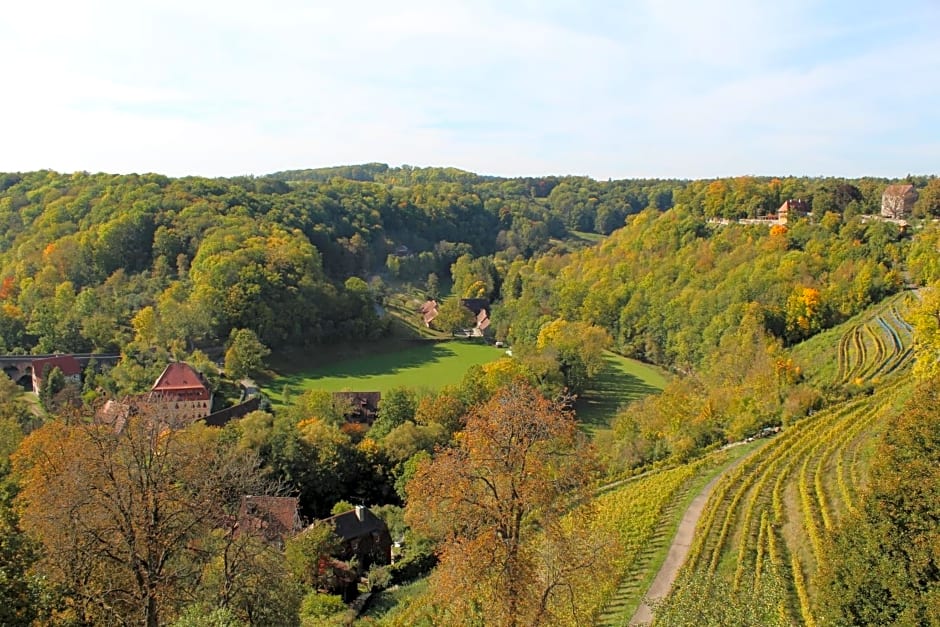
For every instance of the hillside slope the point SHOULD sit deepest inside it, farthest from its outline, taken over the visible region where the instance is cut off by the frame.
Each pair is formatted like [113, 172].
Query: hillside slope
[765, 527]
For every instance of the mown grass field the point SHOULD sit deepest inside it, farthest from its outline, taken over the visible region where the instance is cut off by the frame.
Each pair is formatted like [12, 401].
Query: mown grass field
[623, 380]
[432, 365]
[421, 365]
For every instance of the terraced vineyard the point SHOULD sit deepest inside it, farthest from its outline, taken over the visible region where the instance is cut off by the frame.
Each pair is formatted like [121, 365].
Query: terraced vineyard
[773, 511]
[642, 514]
[877, 346]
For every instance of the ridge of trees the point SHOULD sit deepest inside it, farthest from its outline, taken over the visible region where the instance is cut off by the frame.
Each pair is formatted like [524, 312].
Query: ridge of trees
[82, 254]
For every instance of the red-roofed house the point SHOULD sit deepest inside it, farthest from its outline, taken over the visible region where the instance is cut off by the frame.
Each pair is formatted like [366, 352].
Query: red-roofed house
[791, 209]
[181, 393]
[181, 381]
[428, 312]
[480, 308]
[66, 363]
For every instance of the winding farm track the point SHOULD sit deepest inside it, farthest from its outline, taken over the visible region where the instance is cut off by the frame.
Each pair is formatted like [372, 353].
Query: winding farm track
[678, 550]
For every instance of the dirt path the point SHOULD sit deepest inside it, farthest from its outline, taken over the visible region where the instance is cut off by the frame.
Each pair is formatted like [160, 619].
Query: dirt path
[678, 551]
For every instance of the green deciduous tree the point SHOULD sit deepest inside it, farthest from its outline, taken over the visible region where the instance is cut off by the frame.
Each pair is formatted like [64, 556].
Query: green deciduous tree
[245, 354]
[926, 320]
[397, 406]
[883, 566]
[928, 201]
[452, 317]
[309, 555]
[20, 591]
[578, 347]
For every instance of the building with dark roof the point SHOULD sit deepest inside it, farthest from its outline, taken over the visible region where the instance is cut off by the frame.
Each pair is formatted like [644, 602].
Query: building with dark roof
[365, 536]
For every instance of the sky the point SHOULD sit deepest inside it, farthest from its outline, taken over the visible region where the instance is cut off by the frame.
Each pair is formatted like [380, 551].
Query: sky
[608, 89]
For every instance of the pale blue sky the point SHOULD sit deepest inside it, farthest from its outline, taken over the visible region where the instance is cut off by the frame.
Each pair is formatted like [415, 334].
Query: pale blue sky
[640, 88]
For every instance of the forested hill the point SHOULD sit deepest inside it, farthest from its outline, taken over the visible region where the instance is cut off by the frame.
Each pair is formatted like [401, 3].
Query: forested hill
[90, 262]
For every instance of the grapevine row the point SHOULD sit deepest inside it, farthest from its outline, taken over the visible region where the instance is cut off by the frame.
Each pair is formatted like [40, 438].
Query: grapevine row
[741, 502]
[633, 513]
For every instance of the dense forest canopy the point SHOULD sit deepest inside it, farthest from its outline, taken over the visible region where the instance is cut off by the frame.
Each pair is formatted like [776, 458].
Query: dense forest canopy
[82, 254]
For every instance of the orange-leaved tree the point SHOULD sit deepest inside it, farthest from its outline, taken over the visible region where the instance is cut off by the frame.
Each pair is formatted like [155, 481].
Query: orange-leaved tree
[496, 502]
[124, 519]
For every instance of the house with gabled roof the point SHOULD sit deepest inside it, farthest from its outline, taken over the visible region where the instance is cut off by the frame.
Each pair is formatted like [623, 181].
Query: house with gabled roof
[182, 381]
[480, 308]
[897, 201]
[791, 209]
[364, 535]
[67, 364]
[181, 394]
[179, 397]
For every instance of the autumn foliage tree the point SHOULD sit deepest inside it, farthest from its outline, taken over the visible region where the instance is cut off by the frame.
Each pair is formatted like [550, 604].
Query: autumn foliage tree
[805, 313]
[123, 519]
[495, 502]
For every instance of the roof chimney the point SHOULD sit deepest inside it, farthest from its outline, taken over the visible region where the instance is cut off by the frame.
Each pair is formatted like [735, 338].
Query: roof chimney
[359, 512]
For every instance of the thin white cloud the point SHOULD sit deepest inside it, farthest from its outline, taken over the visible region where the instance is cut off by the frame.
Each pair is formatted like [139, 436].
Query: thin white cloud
[641, 88]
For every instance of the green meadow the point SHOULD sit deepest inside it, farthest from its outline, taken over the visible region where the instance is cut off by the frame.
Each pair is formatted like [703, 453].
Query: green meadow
[432, 365]
[425, 365]
[623, 380]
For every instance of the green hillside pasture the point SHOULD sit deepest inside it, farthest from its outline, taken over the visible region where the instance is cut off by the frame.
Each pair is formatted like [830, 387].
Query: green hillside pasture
[426, 365]
[623, 380]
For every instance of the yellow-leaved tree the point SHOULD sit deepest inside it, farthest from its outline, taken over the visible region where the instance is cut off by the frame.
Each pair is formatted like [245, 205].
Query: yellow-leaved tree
[926, 318]
[494, 502]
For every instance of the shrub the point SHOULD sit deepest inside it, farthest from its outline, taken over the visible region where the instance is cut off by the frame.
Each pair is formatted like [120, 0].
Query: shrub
[321, 609]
